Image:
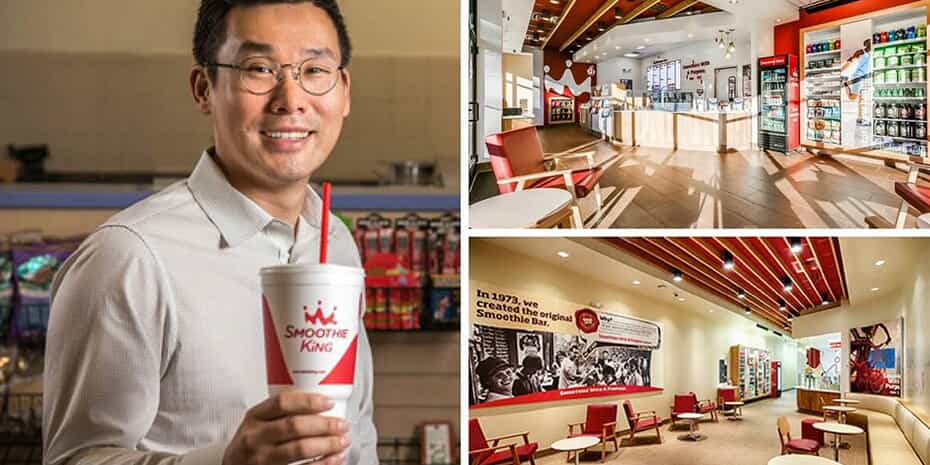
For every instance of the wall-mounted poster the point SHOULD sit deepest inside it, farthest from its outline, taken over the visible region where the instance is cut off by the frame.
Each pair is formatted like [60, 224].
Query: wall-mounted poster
[722, 372]
[523, 349]
[875, 358]
[747, 81]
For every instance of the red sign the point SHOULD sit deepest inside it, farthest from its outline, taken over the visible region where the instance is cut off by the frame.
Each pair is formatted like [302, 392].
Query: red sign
[587, 320]
[580, 392]
[778, 60]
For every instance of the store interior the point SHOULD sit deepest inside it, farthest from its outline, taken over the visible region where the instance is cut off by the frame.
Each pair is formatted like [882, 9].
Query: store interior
[713, 316]
[98, 109]
[724, 113]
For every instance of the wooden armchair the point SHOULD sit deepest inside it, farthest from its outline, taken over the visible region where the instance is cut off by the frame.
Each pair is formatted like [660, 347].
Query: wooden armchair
[490, 451]
[913, 195]
[600, 422]
[519, 163]
[794, 446]
[641, 421]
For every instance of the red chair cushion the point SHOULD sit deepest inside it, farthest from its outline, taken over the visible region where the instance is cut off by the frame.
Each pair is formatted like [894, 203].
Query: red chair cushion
[628, 411]
[684, 403]
[727, 394]
[916, 196]
[597, 415]
[804, 445]
[646, 423]
[515, 153]
[809, 432]
[583, 180]
[477, 440]
[503, 456]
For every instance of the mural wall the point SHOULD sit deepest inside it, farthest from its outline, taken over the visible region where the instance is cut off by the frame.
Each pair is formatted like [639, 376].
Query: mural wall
[565, 78]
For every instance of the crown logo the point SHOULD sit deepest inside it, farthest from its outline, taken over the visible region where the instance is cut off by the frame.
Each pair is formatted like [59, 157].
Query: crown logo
[318, 317]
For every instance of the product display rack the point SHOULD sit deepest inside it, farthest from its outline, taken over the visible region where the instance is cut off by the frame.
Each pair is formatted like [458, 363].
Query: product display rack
[561, 110]
[750, 371]
[888, 120]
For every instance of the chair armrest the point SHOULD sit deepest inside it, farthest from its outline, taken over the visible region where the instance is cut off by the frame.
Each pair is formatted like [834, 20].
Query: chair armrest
[524, 434]
[477, 452]
[608, 427]
[533, 176]
[651, 412]
[571, 427]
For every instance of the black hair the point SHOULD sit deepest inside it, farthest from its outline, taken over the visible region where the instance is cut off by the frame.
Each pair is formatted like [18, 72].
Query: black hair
[210, 30]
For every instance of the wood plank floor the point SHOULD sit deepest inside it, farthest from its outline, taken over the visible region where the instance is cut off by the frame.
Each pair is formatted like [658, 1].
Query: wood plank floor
[661, 188]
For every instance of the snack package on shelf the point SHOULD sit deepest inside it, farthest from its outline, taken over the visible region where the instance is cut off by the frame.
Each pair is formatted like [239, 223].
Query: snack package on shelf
[397, 293]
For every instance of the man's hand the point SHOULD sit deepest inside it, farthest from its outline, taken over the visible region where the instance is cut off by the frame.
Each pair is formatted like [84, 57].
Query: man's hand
[287, 428]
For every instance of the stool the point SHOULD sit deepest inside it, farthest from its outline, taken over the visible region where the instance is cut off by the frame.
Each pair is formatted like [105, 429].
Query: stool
[809, 432]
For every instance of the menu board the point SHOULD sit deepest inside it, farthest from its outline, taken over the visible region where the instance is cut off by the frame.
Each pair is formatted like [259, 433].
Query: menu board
[664, 76]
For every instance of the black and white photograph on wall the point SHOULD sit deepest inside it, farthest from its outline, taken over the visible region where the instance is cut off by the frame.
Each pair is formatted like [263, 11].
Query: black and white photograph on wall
[506, 363]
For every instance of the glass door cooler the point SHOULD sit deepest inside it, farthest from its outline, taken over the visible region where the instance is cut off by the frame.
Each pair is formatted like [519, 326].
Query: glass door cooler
[779, 95]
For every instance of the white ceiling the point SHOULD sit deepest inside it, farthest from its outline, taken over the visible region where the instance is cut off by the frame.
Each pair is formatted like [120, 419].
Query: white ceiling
[862, 275]
[516, 20]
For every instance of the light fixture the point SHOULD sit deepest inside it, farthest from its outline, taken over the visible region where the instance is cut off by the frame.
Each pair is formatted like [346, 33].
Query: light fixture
[640, 47]
[786, 281]
[824, 300]
[727, 55]
[874, 289]
[880, 263]
[741, 293]
[631, 54]
[796, 245]
[618, 14]
[782, 306]
[554, 2]
[690, 35]
[747, 310]
[676, 276]
[562, 254]
[647, 40]
[728, 263]
[724, 41]
[600, 27]
[636, 282]
[786, 327]
[790, 317]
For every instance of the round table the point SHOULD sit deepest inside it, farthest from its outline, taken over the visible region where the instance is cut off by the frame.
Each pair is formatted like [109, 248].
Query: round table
[692, 435]
[837, 429]
[522, 209]
[842, 410]
[799, 459]
[737, 407]
[923, 221]
[576, 445]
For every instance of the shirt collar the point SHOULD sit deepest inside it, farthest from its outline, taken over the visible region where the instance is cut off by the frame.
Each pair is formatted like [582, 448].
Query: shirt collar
[236, 216]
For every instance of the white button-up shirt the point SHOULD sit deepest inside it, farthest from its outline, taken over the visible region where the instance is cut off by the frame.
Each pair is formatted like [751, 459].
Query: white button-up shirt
[155, 346]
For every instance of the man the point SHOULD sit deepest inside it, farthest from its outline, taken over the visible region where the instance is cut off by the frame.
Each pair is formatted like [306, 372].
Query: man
[496, 376]
[527, 380]
[568, 370]
[854, 71]
[155, 340]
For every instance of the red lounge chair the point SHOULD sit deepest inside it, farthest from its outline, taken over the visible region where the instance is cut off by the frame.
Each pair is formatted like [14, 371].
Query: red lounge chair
[688, 403]
[482, 453]
[600, 422]
[519, 163]
[794, 446]
[641, 421]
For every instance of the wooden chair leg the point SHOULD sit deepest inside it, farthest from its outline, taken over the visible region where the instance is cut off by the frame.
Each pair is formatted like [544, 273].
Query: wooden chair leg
[659, 433]
[603, 450]
[902, 215]
[532, 462]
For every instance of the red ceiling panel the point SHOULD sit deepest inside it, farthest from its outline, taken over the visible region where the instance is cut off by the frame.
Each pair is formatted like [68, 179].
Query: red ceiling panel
[759, 266]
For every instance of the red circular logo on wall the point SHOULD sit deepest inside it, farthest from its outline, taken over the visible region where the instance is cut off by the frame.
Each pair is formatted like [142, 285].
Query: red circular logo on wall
[586, 320]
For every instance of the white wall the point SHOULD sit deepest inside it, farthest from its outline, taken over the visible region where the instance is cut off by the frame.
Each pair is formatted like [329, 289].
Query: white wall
[692, 341]
[912, 302]
[611, 71]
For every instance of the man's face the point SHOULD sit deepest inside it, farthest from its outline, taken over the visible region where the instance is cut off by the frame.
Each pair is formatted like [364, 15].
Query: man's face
[255, 134]
[502, 381]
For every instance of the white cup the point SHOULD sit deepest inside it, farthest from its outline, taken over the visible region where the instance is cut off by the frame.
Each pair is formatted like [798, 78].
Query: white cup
[311, 315]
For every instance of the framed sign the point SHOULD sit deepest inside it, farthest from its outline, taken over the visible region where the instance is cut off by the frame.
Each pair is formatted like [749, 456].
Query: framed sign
[437, 443]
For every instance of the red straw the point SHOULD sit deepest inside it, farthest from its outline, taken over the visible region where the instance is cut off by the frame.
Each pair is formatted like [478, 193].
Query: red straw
[324, 229]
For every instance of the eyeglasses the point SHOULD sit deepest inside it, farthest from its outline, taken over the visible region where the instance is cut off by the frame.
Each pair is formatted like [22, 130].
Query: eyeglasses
[260, 75]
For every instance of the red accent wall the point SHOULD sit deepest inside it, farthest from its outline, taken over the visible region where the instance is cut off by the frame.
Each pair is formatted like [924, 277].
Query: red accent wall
[787, 36]
[556, 62]
[787, 39]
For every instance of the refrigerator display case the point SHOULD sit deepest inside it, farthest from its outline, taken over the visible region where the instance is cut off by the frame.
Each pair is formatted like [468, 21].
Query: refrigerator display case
[822, 86]
[779, 96]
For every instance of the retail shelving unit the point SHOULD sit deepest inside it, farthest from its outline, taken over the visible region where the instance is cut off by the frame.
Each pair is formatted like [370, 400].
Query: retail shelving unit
[750, 371]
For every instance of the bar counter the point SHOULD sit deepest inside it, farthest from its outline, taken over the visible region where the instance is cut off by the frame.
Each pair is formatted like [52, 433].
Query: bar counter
[686, 130]
[812, 400]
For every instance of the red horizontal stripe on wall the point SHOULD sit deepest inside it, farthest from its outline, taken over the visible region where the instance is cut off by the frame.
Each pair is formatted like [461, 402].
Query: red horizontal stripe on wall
[581, 392]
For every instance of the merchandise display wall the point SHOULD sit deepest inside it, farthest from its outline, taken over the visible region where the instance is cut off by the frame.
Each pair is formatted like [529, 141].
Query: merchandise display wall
[693, 340]
[912, 303]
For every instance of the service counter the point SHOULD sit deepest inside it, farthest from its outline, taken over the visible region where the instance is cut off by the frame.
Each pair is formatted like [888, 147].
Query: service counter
[685, 130]
[812, 400]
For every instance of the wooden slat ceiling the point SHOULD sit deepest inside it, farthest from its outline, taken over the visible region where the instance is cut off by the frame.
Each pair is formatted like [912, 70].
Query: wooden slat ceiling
[570, 24]
[761, 265]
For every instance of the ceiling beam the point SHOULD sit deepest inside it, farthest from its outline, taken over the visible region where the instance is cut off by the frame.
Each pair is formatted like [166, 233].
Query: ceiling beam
[738, 255]
[605, 7]
[562, 17]
[647, 4]
[757, 256]
[796, 283]
[676, 8]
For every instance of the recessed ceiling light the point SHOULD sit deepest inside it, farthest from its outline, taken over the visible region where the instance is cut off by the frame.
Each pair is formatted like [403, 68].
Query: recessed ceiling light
[631, 54]
[880, 263]
[690, 35]
[711, 311]
[562, 254]
[636, 282]
[618, 47]
[777, 20]
[647, 40]
[640, 47]
[874, 289]
[734, 2]
[681, 299]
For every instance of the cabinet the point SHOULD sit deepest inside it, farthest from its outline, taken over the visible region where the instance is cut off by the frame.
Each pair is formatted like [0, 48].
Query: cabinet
[750, 372]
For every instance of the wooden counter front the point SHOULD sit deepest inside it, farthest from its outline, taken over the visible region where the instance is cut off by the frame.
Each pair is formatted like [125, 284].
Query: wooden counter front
[813, 400]
[717, 132]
